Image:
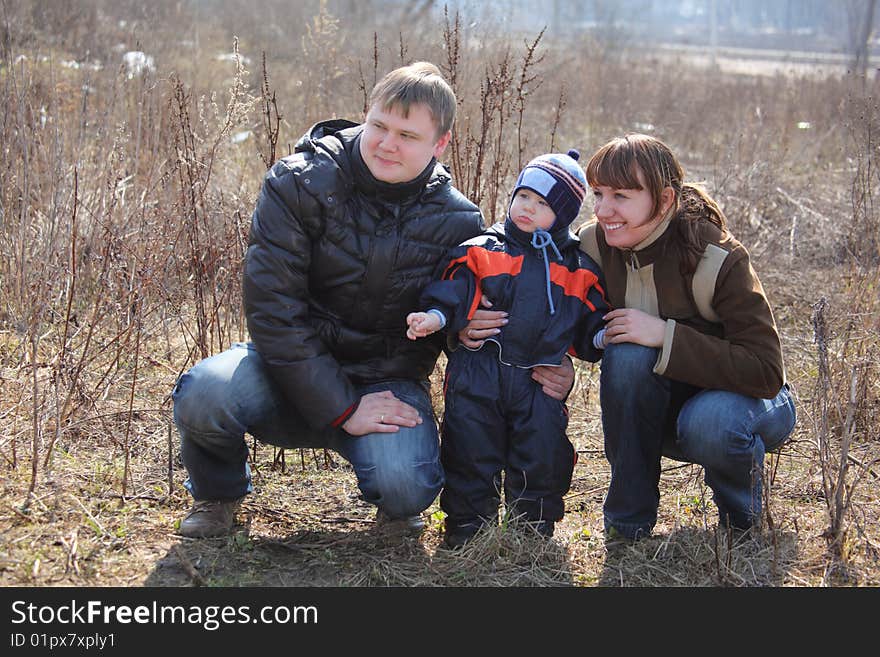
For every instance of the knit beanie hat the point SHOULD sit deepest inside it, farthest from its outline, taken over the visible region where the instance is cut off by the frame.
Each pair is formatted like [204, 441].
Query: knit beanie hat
[560, 180]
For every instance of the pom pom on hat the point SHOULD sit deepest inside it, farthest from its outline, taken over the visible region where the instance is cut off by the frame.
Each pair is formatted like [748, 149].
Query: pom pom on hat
[560, 180]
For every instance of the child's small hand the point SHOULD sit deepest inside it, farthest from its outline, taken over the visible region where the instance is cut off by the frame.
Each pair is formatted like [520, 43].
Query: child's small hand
[421, 325]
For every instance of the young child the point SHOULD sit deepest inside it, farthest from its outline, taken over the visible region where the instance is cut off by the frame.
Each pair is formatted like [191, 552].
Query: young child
[497, 418]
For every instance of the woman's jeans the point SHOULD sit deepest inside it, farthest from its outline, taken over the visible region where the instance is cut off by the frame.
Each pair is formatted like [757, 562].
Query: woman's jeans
[223, 397]
[645, 415]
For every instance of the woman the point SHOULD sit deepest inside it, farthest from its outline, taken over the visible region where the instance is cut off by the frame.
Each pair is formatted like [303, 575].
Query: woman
[693, 364]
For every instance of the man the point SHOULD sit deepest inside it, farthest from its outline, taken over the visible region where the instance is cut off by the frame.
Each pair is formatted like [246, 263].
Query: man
[346, 233]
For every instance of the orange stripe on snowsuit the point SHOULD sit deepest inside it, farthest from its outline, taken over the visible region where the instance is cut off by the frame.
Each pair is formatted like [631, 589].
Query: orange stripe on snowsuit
[484, 264]
[575, 283]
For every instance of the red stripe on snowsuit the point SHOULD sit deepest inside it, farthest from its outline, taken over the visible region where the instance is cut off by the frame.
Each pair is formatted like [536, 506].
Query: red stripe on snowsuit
[576, 283]
[483, 264]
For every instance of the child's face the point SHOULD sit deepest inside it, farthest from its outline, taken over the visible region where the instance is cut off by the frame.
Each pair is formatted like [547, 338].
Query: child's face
[625, 214]
[529, 211]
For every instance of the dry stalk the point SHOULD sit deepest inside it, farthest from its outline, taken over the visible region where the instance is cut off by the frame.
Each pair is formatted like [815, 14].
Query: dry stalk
[60, 415]
[71, 560]
[126, 441]
[187, 170]
[271, 118]
[500, 81]
[36, 427]
[527, 84]
[187, 565]
[170, 446]
[557, 116]
[864, 233]
[838, 486]
[401, 49]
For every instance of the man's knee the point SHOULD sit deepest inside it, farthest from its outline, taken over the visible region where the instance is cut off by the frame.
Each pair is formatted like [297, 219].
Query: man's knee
[402, 490]
[195, 402]
[187, 398]
[203, 396]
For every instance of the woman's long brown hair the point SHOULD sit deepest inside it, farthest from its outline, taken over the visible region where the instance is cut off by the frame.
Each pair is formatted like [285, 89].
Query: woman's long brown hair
[618, 165]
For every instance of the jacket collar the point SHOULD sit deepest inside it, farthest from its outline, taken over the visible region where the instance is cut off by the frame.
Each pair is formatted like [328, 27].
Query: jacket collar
[368, 184]
[333, 147]
[655, 234]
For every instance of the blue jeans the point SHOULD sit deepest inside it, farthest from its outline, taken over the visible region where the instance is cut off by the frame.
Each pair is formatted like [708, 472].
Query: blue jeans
[645, 415]
[223, 397]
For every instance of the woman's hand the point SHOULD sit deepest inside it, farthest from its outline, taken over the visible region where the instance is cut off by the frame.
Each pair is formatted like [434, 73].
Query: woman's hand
[631, 325]
[484, 324]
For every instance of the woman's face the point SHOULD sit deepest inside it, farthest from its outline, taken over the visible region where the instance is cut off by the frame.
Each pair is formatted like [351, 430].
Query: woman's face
[625, 214]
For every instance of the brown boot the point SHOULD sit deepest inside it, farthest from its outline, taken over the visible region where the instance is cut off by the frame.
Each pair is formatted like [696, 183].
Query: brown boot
[209, 518]
[409, 525]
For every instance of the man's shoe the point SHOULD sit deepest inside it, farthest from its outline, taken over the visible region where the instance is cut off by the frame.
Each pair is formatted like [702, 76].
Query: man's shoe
[209, 518]
[409, 525]
[455, 540]
[614, 537]
[457, 536]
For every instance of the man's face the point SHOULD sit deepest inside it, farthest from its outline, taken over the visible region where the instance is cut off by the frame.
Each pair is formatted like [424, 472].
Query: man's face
[397, 149]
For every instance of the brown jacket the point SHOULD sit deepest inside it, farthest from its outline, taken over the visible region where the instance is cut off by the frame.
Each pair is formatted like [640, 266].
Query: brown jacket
[722, 336]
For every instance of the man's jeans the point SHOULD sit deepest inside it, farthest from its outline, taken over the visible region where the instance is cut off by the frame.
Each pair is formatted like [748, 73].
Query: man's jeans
[645, 415]
[224, 396]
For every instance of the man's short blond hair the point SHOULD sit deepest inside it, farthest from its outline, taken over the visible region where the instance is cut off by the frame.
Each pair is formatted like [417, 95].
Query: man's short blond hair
[418, 83]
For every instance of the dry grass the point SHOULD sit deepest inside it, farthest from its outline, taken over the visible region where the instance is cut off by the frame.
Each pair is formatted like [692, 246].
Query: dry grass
[306, 526]
[125, 207]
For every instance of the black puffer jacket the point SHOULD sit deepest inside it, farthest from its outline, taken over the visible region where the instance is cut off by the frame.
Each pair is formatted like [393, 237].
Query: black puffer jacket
[336, 260]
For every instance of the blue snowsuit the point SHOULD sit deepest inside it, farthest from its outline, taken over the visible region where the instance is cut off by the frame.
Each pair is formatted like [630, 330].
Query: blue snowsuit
[496, 417]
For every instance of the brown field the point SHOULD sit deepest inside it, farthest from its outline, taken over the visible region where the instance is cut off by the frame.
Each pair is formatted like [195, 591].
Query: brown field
[125, 199]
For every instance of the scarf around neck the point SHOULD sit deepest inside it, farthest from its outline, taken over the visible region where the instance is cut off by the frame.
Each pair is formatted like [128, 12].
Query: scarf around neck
[369, 185]
[539, 240]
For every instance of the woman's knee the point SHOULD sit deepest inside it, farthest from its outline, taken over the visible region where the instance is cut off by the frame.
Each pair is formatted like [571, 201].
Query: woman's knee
[712, 430]
[625, 365]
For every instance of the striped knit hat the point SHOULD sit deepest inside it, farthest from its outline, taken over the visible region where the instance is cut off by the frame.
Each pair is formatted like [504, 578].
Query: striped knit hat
[560, 180]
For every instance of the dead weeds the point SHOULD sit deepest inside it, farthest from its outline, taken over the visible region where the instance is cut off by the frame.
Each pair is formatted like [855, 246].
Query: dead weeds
[125, 205]
[305, 525]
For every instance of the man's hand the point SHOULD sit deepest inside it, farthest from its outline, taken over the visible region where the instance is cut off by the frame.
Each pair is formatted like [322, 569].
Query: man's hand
[484, 324]
[381, 412]
[556, 382]
[631, 325]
